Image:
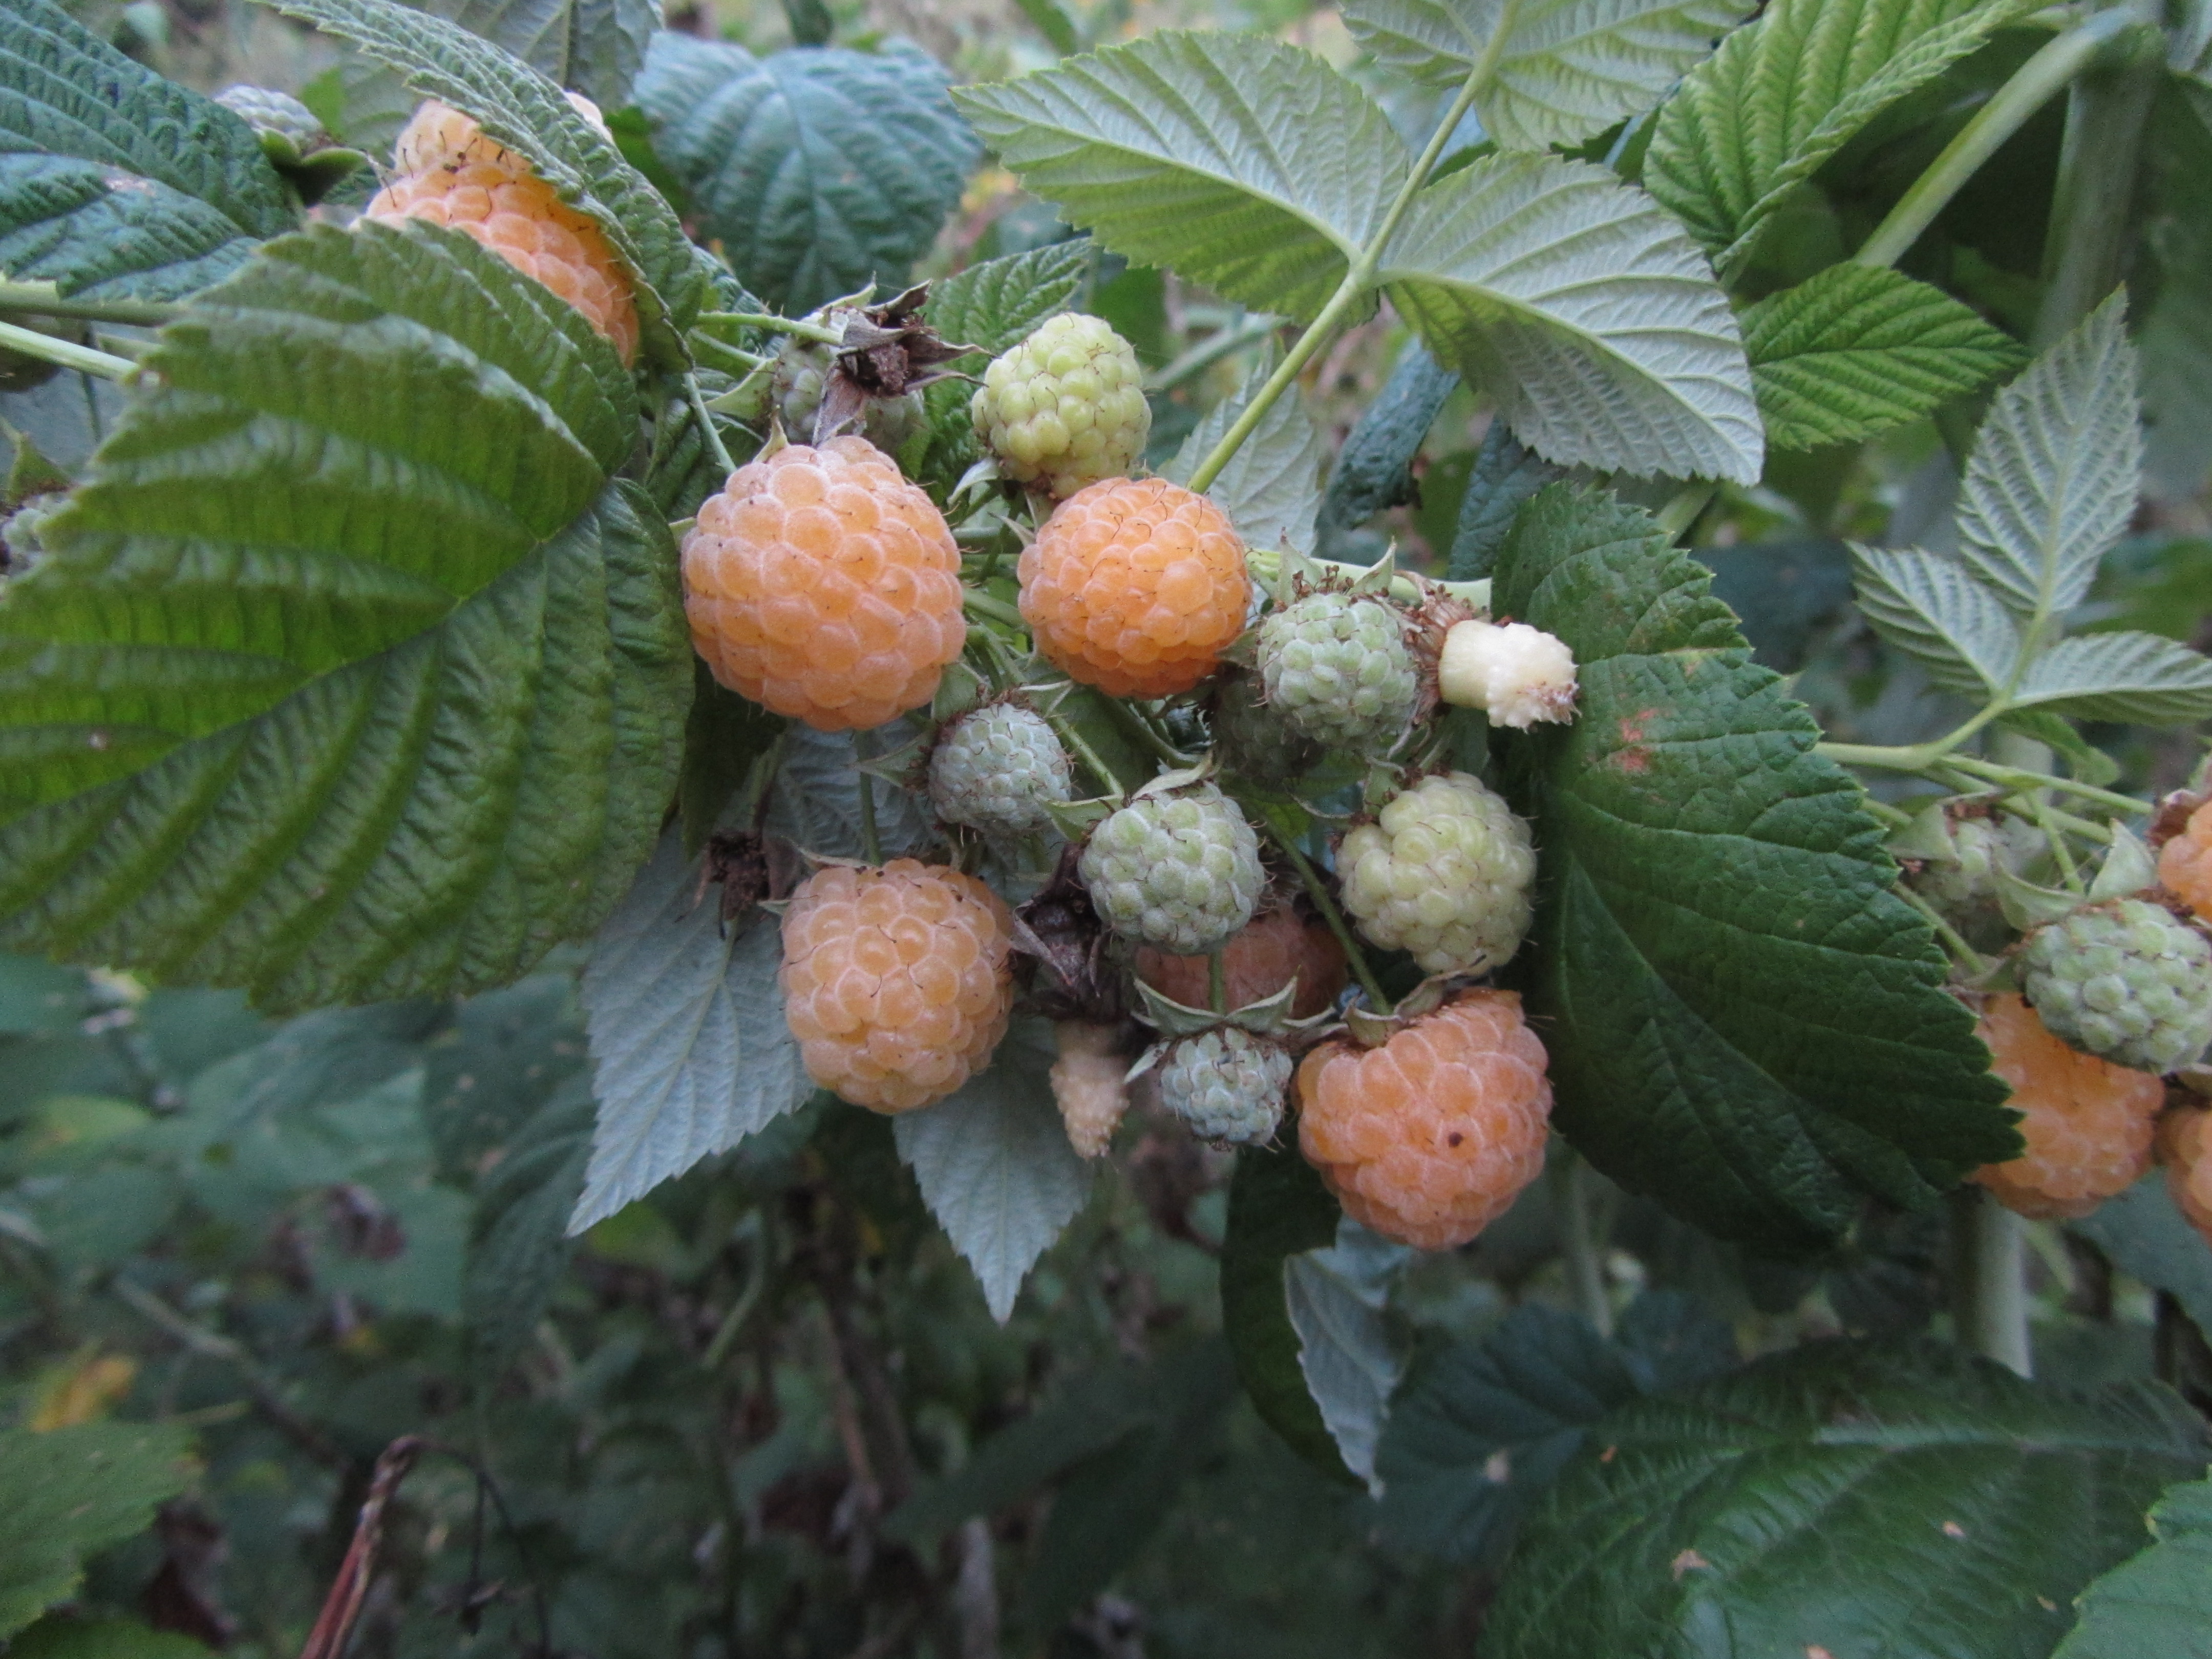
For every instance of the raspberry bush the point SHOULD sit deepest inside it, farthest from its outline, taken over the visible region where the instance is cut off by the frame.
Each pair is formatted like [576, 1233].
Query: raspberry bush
[764, 856]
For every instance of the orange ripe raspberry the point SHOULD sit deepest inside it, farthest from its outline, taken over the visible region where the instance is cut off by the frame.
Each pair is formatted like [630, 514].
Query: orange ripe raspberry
[2184, 1146]
[896, 981]
[822, 584]
[2185, 863]
[1136, 586]
[1427, 1138]
[1273, 947]
[2089, 1123]
[452, 172]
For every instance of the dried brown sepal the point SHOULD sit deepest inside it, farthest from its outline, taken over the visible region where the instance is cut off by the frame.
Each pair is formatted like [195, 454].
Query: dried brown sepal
[1062, 944]
[1436, 616]
[887, 351]
[751, 869]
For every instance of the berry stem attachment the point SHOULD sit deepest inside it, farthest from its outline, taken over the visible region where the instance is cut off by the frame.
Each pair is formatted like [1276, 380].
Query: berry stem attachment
[1683, 509]
[1961, 952]
[775, 325]
[1115, 790]
[1134, 725]
[1358, 279]
[2069, 871]
[66, 353]
[45, 300]
[997, 610]
[701, 414]
[872, 847]
[1930, 760]
[1582, 1249]
[1989, 1278]
[1317, 890]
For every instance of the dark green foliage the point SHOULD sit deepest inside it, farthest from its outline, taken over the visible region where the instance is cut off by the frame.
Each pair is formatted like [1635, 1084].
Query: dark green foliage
[1374, 470]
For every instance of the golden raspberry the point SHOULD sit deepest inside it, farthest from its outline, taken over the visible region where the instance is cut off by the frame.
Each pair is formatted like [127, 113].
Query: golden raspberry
[1429, 1137]
[2089, 1123]
[822, 584]
[2184, 1146]
[1136, 586]
[2185, 863]
[1089, 1084]
[896, 981]
[1273, 947]
[452, 172]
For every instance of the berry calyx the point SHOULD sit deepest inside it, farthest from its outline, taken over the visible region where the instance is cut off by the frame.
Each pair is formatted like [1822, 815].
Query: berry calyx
[2185, 863]
[452, 172]
[2125, 981]
[1427, 1138]
[1065, 407]
[896, 982]
[998, 769]
[823, 586]
[1226, 1084]
[1337, 666]
[1179, 870]
[1136, 586]
[2089, 1123]
[1443, 872]
[1277, 946]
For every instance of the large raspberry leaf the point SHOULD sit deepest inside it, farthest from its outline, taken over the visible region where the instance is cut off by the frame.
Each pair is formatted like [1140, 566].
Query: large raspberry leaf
[597, 46]
[689, 1050]
[1841, 1498]
[353, 673]
[523, 110]
[1743, 1019]
[820, 170]
[2143, 1233]
[2159, 1601]
[114, 182]
[1561, 72]
[1245, 164]
[1753, 123]
[70, 1491]
[994, 1166]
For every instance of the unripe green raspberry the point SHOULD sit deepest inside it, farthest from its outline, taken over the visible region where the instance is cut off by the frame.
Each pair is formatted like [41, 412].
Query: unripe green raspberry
[1964, 889]
[1337, 666]
[997, 768]
[279, 113]
[1227, 1085]
[1177, 871]
[1444, 873]
[2125, 982]
[1251, 738]
[1065, 407]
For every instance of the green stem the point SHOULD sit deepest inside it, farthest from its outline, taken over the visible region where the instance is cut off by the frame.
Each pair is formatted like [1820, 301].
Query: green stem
[2069, 871]
[705, 416]
[1134, 725]
[1317, 890]
[1112, 785]
[982, 604]
[872, 847]
[773, 324]
[1583, 1251]
[1358, 278]
[1989, 1278]
[1961, 952]
[45, 347]
[44, 300]
[2091, 210]
[1211, 350]
[2019, 781]
[2033, 85]
[1683, 509]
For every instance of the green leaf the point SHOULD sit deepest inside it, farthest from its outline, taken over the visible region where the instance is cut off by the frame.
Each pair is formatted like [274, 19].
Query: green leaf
[596, 47]
[508, 1051]
[1570, 298]
[1856, 351]
[519, 1233]
[1506, 474]
[815, 801]
[39, 999]
[1743, 1020]
[689, 1045]
[1246, 165]
[353, 673]
[1930, 607]
[117, 183]
[2052, 481]
[1271, 489]
[1755, 121]
[1277, 1209]
[2146, 1237]
[2143, 677]
[2159, 1601]
[1375, 468]
[517, 106]
[1850, 1498]
[995, 306]
[1335, 1299]
[105, 1638]
[1564, 71]
[820, 170]
[1482, 1429]
[994, 1166]
[68, 1492]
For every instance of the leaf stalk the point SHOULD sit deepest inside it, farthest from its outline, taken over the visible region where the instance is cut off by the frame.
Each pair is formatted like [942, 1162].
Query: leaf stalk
[775, 325]
[65, 353]
[1317, 890]
[44, 300]
[705, 416]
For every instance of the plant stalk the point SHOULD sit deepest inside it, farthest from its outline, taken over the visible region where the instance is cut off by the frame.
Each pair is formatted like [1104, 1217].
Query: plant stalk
[705, 416]
[772, 325]
[66, 353]
[1989, 1278]
[2033, 85]
[2092, 209]
[43, 300]
[1580, 1246]
[1317, 890]
[1358, 279]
